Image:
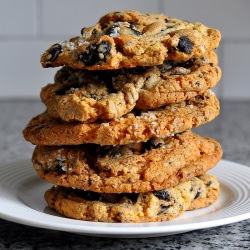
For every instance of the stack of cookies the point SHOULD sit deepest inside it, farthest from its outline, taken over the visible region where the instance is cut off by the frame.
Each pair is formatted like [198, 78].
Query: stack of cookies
[116, 139]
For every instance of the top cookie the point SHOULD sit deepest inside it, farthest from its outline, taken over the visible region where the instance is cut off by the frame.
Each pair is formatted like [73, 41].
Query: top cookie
[129, 39]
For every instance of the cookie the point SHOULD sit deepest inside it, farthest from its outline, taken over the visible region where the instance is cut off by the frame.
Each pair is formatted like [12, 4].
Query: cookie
[133, 127]
[156, 206]
[89, 96]
[129, 39]
[139, 167]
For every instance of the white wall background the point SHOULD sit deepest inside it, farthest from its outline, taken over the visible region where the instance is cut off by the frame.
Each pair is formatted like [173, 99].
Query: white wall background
[29, 27]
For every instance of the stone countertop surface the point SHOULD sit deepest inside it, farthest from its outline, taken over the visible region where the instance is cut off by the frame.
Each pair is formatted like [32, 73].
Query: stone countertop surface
[231, 129]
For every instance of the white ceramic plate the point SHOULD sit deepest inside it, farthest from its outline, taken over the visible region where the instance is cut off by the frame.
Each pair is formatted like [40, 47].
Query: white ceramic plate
[21, 201]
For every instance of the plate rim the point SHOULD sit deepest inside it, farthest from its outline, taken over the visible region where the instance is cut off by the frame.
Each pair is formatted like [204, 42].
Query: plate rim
[103, 229]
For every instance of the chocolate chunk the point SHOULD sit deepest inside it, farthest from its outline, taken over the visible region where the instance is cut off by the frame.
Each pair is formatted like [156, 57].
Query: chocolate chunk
[162, 195]
[113, 31]
[198, 194]
[163, 209]
[209, 183]
[132, 25]
[188, 64]
[136, 32]
[94, 31]
[185, 45]
[59, 169]
[95, 53]
[54, 51]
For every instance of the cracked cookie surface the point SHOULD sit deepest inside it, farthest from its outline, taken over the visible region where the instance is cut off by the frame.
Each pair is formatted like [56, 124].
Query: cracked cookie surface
[139, 167]
[133, 127]
[130, 39]
[153, 206]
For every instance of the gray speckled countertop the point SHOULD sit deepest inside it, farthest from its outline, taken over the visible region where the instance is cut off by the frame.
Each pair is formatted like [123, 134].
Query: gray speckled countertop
[231, 128]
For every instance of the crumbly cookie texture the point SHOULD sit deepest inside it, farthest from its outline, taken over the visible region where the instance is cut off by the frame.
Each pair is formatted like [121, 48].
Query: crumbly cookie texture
[130, 39]
[133, 127]
[153, 206]
[139, 167]
[89, 96]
